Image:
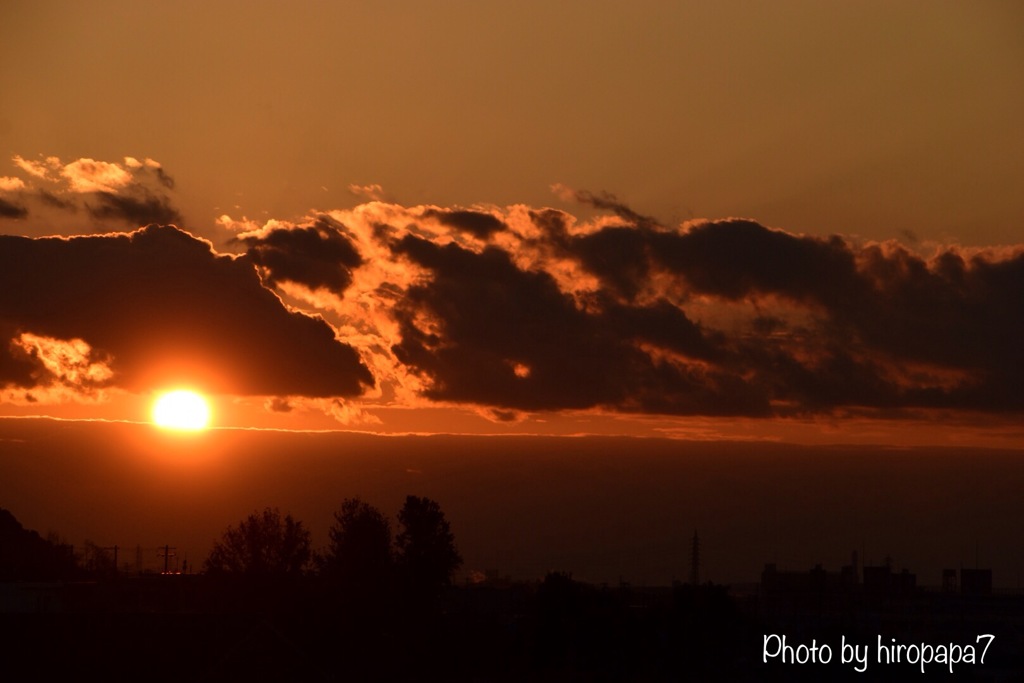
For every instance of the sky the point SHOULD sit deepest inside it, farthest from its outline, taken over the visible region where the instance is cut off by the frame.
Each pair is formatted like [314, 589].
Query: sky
[603, 508]
[517, 215]
[515, 218]
[711, 223]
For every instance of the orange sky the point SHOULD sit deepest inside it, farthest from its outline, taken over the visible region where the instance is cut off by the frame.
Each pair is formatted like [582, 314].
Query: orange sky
[516, 218]
[603, 508]
[758, 229]
[862, 118]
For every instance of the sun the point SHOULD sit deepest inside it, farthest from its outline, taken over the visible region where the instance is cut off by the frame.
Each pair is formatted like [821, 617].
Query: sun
[181, 409]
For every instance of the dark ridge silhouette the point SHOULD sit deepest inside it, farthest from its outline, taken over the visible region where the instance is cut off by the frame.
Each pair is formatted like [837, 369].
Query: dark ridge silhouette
[26, 556]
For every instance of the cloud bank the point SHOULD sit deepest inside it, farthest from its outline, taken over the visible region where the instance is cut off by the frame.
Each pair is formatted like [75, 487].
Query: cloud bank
[506, 310]
[523, 309]
[156, 308]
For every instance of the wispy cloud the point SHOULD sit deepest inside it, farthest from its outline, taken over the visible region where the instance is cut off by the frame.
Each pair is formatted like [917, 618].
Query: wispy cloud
[11, 210]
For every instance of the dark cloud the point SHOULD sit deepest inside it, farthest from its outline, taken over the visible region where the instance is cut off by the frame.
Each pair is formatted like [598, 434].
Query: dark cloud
[608, 201]
[957, 313]
[277, 404]
[159, 307]
[494, 318]
[552, 223]
[507, 338]
[138, 208]
[875, 308]
[11, 210]
[163, 178]
[664, 325]
[317, 256]
[542, 311]
[133, 193]
[954, 315]
[476, 223]
[617, 255]
[734, 259]
[18, 368]
[52, 200]
[790, 324]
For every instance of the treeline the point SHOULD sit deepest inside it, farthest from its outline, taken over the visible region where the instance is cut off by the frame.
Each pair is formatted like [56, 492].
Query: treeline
[363, 564]
[363, 557]
[374, 605]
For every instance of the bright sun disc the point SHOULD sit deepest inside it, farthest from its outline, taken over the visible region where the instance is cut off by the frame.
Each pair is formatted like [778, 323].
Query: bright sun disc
[181, 410]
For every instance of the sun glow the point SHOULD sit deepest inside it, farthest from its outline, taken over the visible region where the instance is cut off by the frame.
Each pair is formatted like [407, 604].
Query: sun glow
[181, 409]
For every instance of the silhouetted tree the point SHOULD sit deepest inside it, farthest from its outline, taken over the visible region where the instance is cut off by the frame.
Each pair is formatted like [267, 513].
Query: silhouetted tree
[359, 555]
[427, 554]
[262, 545]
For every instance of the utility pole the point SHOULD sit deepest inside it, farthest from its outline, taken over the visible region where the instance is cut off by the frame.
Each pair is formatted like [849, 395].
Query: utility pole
[114, 548]
[166, 552]
[695, 560]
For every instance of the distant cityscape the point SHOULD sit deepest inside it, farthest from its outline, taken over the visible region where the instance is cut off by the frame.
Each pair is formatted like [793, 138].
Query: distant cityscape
[225, 620]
